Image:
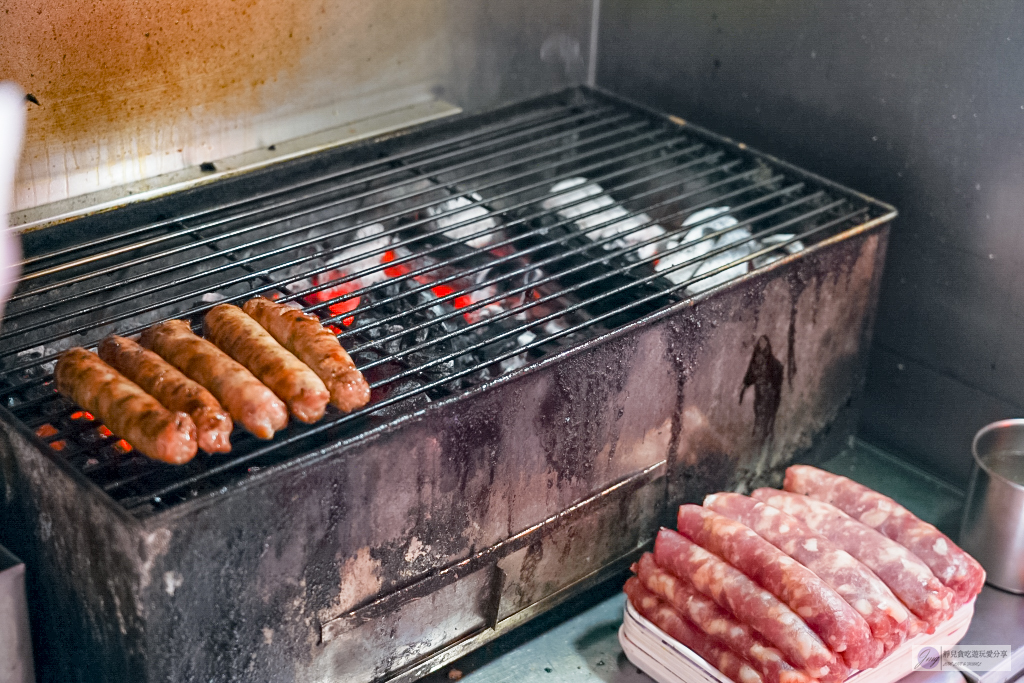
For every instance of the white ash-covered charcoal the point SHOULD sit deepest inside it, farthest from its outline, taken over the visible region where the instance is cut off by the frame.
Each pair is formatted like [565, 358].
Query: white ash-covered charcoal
[824, 610]
[704, 614]
[473, 219]
[734, 591]
[951, 565]
[695, 244]
[665, 617]
[614, 219]
[885, 615]
[906, 576]
[787, 247]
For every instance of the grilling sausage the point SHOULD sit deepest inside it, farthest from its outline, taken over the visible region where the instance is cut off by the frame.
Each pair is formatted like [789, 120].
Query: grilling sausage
[230, 328]
[824, 610]
[174, 390]
[733, 591]
[884, 613]
[125, 408]
[669, 620]
[951, 565]
[303, 335]
[716, 622]
[250, 403]
[906, 576]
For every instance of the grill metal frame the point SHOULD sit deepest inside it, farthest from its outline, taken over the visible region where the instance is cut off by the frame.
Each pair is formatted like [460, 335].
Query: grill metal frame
[383, 552]
[730, 169]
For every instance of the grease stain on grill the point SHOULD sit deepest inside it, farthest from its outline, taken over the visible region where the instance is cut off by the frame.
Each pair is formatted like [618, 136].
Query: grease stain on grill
[797, 281]
[572, 407]
[765, 373]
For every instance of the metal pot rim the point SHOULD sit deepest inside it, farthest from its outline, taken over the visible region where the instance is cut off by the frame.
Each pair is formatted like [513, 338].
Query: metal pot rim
[1000, 424]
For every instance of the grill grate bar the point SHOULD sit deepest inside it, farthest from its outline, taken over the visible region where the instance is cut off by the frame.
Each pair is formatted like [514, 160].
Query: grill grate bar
[295, 439]
[556, 274]
[502, 243]
[290, 247]
[286, 188]
[445, 259]
[276, 219]
[201, 309]
[511, 312]
[226, 252]
[594, 280]
[273, 221]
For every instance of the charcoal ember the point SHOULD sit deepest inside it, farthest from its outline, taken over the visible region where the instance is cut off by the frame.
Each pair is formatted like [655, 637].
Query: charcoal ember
[90, 436]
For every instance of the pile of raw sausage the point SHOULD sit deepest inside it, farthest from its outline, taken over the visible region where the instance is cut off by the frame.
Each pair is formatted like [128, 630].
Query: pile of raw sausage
[814, 582]
[173, 392]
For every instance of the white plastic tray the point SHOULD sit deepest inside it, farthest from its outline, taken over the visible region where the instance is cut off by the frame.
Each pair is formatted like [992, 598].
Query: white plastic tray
[666, 660]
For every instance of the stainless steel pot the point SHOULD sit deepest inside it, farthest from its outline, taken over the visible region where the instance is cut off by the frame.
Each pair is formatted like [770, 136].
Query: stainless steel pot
[992, 529]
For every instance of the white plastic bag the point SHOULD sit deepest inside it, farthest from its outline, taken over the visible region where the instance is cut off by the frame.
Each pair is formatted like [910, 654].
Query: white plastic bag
[12, 130]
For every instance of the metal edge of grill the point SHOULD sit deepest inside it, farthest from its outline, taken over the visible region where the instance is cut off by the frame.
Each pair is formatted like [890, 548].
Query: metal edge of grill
[877, 213]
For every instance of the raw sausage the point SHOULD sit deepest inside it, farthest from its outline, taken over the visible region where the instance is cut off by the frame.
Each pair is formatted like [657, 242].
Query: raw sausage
[244, 340]
[750, 603]
[250, 403]
[951, 565]
[717, 623]
[671, 622]
[303, 335]
[906, 576]
[885, 615]
[174, 390]
[828, 615]
[125, 408]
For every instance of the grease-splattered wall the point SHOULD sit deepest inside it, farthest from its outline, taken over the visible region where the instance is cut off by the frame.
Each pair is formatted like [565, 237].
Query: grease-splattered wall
[130, 89]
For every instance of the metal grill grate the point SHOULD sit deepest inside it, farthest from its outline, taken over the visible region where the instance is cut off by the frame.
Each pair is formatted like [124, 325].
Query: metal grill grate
[444, 259]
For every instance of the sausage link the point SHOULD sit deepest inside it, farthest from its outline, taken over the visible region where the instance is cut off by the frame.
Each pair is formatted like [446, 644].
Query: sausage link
[671, 622]
[174, 390]
[906, 576]
[317, 347]
[125, 408]
[886, 616]
[748, 602]
[708, 617]
[250, 403]
[230, 328]
[836, 623]
[951, 565]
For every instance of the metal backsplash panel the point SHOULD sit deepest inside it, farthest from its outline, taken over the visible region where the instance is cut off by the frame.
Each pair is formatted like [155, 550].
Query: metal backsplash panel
[918, 103]
[128, 91]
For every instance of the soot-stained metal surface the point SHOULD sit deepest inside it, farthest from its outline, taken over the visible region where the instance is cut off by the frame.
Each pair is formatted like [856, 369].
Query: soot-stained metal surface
[384, 556]
[289, 578]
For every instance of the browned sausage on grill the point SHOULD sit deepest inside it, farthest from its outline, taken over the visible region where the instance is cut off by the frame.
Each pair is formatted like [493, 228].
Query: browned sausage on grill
[174, 390]
[125, 408]
[250, 403]
[315, 346]
[230, 328]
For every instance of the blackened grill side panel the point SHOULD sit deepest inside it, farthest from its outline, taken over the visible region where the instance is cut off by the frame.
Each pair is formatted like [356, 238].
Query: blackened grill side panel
[770, 372]
[308, 546]
[86, 562]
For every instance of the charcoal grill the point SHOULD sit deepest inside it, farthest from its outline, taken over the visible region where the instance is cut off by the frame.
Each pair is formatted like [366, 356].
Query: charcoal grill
[543, 384]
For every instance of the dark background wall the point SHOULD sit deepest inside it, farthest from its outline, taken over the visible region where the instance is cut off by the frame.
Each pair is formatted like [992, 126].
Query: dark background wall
[919, 103]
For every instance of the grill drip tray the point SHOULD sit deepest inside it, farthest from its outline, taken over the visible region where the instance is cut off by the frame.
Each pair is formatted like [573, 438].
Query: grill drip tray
[550, 302]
